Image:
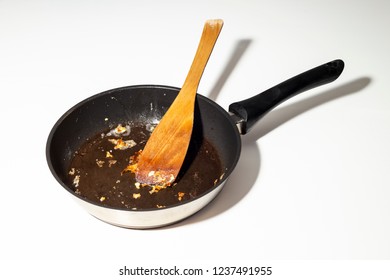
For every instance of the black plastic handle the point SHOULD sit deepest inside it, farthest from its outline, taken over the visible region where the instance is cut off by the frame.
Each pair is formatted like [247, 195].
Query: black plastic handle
[249, 111]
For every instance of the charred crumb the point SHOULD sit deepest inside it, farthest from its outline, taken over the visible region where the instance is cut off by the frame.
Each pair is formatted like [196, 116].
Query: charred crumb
[100, 163]
[136, 195]
[180, 196]
[76, 181]
[121, 144]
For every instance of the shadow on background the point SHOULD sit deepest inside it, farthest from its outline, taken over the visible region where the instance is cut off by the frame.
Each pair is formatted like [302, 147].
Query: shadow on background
[247, 170]
[238, 52]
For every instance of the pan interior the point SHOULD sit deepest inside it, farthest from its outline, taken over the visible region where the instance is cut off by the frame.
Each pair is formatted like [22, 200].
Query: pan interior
[136, 104]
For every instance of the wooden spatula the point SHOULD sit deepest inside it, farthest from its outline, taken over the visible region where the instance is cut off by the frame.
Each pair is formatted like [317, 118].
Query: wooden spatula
[164, 153]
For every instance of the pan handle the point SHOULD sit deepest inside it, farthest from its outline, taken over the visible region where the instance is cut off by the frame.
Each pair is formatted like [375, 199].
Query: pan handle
[249, 111]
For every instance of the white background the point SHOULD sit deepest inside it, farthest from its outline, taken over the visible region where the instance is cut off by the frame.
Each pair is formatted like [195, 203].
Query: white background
[312, 183]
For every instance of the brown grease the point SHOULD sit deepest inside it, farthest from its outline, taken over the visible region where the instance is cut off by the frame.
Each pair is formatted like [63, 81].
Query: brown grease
[99, 168]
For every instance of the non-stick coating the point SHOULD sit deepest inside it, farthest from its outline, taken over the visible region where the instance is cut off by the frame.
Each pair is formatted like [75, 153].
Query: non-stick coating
[137, 104]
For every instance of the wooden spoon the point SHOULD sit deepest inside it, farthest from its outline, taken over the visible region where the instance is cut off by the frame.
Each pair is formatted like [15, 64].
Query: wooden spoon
[164, 153]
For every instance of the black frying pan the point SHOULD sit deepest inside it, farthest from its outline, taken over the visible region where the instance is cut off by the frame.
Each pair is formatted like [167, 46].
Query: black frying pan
[147, 104]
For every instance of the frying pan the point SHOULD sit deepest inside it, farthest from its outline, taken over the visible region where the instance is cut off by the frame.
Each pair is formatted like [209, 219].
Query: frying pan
[147, 104]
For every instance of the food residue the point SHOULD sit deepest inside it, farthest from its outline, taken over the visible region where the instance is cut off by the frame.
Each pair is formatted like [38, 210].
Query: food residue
[122, 145]
[100, 163]
[136, 195]
[76, 181]
[103, 170]
[180, 195]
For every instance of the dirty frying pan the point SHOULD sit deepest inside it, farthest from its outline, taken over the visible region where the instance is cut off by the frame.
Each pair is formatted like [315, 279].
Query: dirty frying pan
[144, 105]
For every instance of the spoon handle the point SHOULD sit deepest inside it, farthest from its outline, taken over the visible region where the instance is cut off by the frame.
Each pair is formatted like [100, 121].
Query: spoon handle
[249, 111]
[210, 34]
